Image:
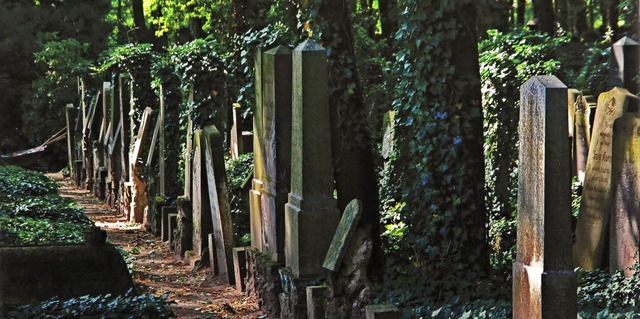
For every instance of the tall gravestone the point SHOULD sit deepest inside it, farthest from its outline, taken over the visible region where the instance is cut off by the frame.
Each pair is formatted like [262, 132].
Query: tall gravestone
[255, 209]
[311, 216]
[593, 221]
[544, 284]
[139, 200]
[625, 212]
[69, 109]
[276, 128]
[572, 95]
[220, 209]
[581, 136]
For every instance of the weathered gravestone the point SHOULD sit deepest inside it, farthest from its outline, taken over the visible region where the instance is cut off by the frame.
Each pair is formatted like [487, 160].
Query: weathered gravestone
[625, 212]
[237, 147]
[69, 110]
[593, 221]
[544, 284]
[581, 136]
[202, 224]
[276, 144]
[220, 209]
[311, 216]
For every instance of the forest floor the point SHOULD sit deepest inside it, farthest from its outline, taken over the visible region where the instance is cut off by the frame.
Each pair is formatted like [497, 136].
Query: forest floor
[156, 269]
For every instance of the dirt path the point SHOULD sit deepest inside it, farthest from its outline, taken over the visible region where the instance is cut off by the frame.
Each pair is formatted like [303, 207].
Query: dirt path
[157, 271]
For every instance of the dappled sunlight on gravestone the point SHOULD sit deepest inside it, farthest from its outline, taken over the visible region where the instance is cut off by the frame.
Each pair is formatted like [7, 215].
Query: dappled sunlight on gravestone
[581, 136]
[544, 284]
[593, 221]
[625, 210]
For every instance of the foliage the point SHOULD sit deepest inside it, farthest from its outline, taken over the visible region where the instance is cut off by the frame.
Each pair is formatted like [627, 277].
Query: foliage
[32, 212]
[129, 305]
[27, 231]
[18, 181]
[239, 173]
[601, 295]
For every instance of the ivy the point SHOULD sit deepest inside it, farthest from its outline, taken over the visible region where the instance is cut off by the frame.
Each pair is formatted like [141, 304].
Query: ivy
[443, 243]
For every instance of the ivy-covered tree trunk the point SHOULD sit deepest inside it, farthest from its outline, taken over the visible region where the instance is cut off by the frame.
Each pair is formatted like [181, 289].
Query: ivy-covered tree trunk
[440, 147]
[354, 172]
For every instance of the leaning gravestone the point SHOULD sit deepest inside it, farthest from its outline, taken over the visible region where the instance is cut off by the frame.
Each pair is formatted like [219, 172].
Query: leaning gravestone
[544, 284]
[593, 221]
[625, 212]
[220, 209]
[342, 237]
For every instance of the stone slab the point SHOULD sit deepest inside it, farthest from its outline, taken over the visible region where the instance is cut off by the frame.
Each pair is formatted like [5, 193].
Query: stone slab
[240, 267]
[593, 220]
[316, 302]
[342, 238]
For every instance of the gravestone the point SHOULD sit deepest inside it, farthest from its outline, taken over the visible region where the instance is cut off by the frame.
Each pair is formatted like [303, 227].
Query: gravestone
[276, 144]
[202, 223]
[311, 216]
[240, 266]
[625, 52]
[572, 95]
[342, 237]
[544, 284]
[581, 136]
[593, 221]
[625, 212]
[212, 255]
[220, 209]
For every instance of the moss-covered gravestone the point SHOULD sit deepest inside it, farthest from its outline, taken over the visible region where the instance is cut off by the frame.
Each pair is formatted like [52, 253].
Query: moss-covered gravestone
[593, 220]
[544, 284]
[202, 223]
[625, 212]
[311, 216]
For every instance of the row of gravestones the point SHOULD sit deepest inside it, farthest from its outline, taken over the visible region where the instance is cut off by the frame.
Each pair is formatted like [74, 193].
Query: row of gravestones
[605, 144]
[295, 224]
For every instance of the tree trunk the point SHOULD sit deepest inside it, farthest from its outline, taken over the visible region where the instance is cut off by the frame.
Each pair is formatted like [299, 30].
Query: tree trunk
[613, 18]
[351, 141]
[543, 11]
[562, 14]
[141, 31]
[520, 12]
[388, 18]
